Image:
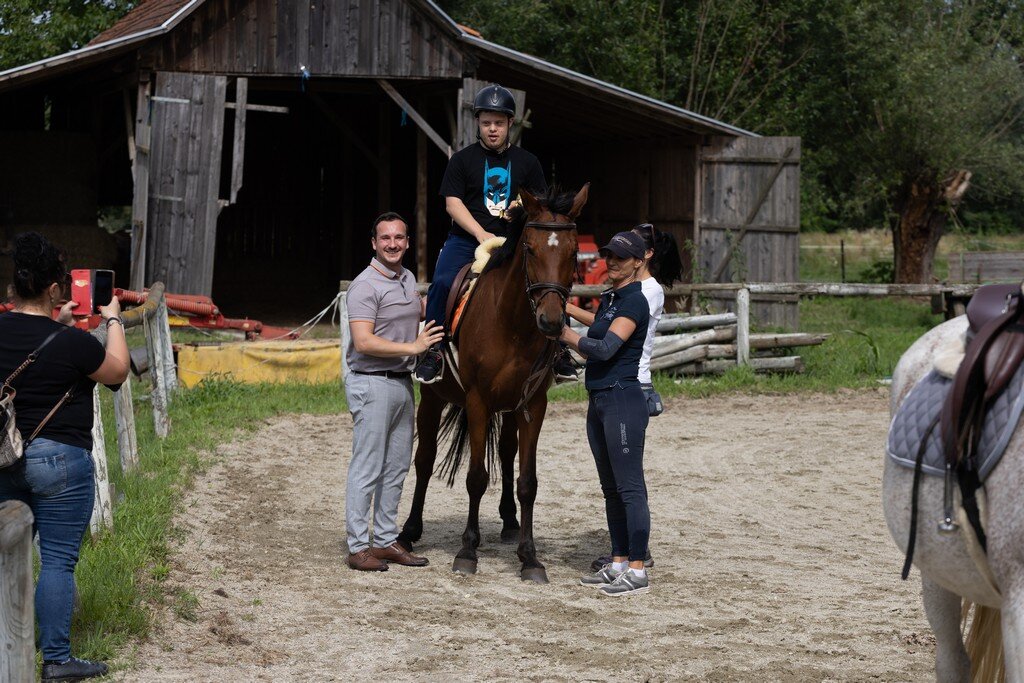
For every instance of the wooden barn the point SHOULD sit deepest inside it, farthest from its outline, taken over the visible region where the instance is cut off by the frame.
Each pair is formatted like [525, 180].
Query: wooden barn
[248, 144]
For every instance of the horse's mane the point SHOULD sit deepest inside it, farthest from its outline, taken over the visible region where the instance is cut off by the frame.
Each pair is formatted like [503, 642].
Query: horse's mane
[556, 201]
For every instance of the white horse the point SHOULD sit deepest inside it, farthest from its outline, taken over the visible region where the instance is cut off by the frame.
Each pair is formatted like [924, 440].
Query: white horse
[950, 577]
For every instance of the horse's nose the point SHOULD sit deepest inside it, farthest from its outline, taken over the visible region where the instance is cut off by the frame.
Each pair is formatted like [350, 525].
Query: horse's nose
[549, 327]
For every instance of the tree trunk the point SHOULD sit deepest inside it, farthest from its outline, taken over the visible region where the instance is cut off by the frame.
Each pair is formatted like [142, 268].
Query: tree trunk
[924, 208]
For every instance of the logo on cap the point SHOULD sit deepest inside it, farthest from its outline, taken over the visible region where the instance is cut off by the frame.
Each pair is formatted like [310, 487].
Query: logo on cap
[494, 96]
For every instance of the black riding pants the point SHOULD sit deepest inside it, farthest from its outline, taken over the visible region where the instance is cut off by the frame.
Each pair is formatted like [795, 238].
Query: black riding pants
[616, 423]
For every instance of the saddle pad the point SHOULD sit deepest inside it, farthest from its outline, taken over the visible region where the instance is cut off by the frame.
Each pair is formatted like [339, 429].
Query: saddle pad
[924, 403]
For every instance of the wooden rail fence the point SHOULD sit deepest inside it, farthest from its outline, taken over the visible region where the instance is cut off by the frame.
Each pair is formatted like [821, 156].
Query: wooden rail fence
[17, 618]
[703, 355]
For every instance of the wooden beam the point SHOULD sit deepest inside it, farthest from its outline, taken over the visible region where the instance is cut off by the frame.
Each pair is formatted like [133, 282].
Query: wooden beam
[415, 116]
[238, 150]
[384, 159]
[140, 174]
[257, 107]
[129, 125]
[346, 130]
[421, 206]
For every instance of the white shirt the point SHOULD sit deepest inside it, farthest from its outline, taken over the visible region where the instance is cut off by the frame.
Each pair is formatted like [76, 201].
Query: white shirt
[655, 296]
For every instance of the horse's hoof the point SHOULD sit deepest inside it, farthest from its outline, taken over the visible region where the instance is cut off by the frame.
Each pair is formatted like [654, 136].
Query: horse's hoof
[464, 566]
[404, 543]
[535, 574]
[509, 535]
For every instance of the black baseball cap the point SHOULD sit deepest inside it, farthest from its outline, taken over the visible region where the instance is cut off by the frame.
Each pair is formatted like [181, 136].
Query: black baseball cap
[626, 244]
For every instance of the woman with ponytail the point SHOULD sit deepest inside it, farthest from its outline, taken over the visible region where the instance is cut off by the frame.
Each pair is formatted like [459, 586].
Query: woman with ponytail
[55, 475]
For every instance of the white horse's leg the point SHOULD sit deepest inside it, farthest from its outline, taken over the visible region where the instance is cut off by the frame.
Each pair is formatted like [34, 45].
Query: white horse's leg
[1013, 635]
[943, 611]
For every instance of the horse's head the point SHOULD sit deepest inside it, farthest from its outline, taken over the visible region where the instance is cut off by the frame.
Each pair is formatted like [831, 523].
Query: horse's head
[549, 254]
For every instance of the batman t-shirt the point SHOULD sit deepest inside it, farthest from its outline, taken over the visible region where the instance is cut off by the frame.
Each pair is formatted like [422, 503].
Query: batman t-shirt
[487, 182]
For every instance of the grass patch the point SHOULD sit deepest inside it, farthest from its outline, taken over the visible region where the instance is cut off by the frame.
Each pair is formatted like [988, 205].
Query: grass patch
[121, 574]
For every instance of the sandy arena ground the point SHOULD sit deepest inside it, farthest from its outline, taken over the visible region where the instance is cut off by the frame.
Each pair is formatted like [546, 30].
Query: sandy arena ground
[773, 562]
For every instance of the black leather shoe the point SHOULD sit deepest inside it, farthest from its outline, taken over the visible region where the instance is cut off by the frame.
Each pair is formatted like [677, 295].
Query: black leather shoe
[73, 670]
[428, 370]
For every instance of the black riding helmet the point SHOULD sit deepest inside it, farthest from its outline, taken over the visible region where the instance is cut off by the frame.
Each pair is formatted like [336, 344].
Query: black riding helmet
[494, 98]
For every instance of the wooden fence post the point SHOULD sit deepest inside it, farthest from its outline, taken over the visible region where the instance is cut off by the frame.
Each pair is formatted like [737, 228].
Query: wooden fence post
[17, 612]
[343, 327]
[163, 330]
[102, 509]
[742, 327]
[124, 416]
[158, 397]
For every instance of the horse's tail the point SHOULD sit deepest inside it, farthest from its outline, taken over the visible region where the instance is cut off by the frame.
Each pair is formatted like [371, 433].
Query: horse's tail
[455, 425]
[984, 643]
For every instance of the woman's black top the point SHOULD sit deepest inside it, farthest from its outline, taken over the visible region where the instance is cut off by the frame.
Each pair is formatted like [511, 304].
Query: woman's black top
[68, 359]
[623, 367]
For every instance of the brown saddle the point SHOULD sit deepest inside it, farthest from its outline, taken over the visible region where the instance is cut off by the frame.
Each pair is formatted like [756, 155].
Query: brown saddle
[460, 286]
[995, 349]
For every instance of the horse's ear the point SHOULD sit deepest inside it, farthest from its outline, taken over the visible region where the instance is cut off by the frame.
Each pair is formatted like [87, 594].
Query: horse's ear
[530, 203]
[578, 201]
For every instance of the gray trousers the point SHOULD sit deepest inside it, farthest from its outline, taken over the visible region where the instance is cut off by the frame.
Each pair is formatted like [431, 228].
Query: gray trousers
[382, 428]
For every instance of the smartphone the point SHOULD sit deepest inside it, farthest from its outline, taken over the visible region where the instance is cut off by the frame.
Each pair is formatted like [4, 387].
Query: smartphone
[102, 288]
[91, 289]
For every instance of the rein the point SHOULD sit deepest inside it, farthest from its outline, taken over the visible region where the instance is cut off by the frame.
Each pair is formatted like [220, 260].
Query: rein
[544, 287]
[542, 366]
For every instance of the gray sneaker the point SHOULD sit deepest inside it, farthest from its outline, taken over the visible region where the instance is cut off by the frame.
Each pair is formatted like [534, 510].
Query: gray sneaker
[602, 577]
[627, 583]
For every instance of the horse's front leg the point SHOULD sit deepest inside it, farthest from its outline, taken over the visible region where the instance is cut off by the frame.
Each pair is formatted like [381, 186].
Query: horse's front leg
[428, 419]
[476, 483]
[526, 487]
[507, 448]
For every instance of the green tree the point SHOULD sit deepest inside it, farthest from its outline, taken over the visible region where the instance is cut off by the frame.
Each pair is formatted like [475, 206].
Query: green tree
[902, 104]
[31, 30]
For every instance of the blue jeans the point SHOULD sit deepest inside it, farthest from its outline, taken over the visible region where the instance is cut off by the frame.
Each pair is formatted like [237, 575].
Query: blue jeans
[458, 250]
[56, 481]
[616, 426]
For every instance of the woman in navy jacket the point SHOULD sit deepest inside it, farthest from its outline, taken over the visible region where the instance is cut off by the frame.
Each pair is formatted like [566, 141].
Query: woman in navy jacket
[617, 415]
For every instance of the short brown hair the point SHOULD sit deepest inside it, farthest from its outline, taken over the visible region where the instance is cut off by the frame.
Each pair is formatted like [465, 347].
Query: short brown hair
[384, 218]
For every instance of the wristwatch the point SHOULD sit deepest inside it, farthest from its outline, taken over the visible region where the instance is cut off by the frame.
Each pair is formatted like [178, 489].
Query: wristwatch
[114, 319]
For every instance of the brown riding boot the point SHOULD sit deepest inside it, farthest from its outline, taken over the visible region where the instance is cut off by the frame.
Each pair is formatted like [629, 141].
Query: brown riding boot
[399, 555]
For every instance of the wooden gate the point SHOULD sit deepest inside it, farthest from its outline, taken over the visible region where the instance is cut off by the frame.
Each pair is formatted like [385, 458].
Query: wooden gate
[749, 219]
[187, 134]
[466, 133]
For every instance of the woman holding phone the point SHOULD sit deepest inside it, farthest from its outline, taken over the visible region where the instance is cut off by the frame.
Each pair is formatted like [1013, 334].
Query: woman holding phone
[54, 477]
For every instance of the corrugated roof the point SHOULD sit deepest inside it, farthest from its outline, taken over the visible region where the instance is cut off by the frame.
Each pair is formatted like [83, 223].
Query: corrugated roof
[147, 15]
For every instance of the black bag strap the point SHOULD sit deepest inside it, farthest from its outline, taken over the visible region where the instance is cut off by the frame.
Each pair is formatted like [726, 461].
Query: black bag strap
[32, 356]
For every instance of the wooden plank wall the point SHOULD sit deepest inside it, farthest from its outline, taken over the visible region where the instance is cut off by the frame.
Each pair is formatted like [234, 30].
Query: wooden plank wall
[986, 266]
[381, 38]
[734, 172]
[184, 181]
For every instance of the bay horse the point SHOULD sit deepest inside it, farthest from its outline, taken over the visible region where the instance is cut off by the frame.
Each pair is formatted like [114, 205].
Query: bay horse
[950, 576]
[498, 401]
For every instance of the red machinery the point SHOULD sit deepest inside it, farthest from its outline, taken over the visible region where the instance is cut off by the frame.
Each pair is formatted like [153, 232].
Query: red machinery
[199, 311]
[592, 268]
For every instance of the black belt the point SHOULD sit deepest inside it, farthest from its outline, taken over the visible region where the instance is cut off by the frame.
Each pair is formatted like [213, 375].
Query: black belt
[390, 374]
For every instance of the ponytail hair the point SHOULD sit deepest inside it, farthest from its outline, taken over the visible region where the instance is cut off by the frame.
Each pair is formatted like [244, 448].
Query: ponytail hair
[37, 265]
[666, 266]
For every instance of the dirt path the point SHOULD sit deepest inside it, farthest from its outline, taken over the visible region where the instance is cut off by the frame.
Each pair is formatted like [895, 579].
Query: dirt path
[772, 562]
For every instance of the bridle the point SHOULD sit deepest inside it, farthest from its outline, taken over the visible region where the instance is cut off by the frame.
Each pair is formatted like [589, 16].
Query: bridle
[544, 287]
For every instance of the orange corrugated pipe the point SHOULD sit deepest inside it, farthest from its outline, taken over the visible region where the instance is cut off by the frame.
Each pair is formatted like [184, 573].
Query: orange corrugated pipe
[177, 304]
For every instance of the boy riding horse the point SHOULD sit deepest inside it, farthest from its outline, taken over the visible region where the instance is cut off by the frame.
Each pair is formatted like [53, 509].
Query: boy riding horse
[480, 184]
